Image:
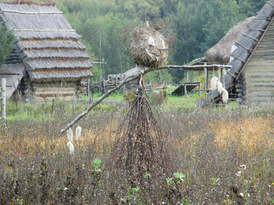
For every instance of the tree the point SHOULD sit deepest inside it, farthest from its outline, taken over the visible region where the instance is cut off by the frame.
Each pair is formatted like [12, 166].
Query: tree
[6, 41]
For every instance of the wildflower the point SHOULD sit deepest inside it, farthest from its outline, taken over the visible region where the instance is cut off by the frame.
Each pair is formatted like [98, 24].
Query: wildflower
[65, 188]
[53, 154]
[273, 183]
[258, 179]
[243, 166]
[83, 165]
[194, 142]
[241, 194]
[143, 187]
[71, 148]
[78, 133]
[239, 173]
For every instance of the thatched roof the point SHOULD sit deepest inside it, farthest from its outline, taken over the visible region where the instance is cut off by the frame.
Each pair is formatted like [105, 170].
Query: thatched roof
[47, 45]
[247, 45]
[13, 74]
[220, 52]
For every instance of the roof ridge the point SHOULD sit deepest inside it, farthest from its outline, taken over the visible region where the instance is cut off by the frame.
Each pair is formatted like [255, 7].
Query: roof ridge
[27, 12]
[29, 2]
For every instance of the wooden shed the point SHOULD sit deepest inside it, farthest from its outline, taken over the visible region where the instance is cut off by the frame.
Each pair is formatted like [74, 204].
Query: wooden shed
[251, 78]
[47, 60]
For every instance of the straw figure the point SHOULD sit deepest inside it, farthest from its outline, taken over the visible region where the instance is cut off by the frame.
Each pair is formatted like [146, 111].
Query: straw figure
[71, 148]
[149, 48]
[141, 144]
[78, 133]
[219, 87]
[224, 95]
[70, 135]
[213, 83]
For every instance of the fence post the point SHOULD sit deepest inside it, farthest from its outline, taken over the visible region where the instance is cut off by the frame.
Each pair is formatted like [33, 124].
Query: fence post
[3, 93]
[88, 87]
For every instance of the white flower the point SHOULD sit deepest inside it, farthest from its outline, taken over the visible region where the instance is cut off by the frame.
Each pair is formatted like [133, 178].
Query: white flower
[243, 166]
[239, 173]
[241, 194]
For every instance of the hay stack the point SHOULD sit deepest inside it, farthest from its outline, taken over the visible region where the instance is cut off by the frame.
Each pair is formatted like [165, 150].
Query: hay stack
[149, 48]
[220, 52]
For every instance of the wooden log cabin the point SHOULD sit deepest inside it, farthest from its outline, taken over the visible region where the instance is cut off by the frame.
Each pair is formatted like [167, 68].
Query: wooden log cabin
[47, 60]
[251, 78]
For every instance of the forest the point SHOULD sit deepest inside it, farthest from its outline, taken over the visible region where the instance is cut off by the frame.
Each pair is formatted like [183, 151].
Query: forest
[193, 26]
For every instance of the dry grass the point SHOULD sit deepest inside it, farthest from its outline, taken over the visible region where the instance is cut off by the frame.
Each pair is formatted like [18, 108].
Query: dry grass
[36, 167]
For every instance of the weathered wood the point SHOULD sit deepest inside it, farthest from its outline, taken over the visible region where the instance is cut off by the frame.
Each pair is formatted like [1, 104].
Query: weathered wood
[3, 96]
[206, 79]
[187, 76]
[129, 79]
[251, 54]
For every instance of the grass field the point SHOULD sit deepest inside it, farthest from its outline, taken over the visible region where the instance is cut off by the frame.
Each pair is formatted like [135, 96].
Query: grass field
[225, 156]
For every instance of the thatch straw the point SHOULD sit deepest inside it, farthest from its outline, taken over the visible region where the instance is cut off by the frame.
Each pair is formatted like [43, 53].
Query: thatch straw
[47, 44]
[220, 52]
[149, 48]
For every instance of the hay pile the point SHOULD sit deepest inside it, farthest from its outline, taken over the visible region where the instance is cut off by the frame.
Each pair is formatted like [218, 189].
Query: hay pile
[149, 48]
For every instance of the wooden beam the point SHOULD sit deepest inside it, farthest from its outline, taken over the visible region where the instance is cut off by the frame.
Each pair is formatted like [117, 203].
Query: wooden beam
[127, 80]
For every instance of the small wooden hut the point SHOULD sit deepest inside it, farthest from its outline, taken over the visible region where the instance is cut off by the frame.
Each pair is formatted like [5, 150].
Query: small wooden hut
[251, 77]
[47, 60]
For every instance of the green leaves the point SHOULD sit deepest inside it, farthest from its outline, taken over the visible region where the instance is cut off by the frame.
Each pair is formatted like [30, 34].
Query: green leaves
[96, 163]
[6, 40]
[179, 176]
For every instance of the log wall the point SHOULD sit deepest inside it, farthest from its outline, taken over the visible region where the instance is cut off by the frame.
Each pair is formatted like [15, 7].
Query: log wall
[51, 90]
[259, 72]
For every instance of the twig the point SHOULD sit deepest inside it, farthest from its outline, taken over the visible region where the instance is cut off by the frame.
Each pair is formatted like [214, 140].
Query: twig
[131, 78]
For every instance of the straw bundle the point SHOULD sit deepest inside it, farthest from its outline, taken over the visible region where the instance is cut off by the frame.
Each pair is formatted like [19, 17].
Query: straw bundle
[149, 48]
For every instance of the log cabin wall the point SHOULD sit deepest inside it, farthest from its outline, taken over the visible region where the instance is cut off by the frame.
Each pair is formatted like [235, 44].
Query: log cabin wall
[259, 72]
[46, 91]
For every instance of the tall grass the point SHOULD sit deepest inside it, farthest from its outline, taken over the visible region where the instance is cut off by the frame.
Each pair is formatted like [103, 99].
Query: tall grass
[36, 167]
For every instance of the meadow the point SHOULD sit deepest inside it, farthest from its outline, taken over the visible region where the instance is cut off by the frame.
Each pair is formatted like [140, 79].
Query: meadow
[223, 156]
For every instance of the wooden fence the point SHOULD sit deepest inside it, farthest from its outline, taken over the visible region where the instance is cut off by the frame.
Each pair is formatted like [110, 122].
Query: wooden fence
[102, 86]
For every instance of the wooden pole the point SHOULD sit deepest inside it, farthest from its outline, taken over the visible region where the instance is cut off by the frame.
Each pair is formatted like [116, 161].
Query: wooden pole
[88, 87]
[219, 74]
[187, 76]
[3, 85]
[129, 79]
[185, 90]
[206, 79]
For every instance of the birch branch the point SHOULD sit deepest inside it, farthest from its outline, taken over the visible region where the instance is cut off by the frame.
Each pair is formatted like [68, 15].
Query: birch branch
[131, 78]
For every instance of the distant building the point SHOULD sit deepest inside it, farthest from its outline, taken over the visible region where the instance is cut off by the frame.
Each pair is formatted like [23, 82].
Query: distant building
[251, 78]
[47, 60]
